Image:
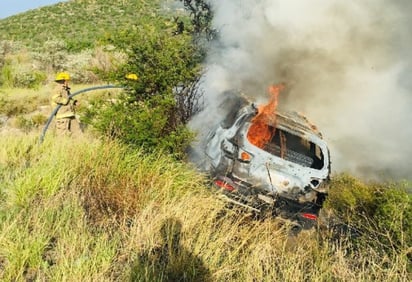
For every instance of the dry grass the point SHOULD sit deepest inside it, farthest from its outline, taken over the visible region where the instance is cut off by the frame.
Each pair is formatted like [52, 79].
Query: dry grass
[25, 110]
[85, 210]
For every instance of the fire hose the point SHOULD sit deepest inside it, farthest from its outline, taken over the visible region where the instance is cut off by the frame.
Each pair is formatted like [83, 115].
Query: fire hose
[57, 108]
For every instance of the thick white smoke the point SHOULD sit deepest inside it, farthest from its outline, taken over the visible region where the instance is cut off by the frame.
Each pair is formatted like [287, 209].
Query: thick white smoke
[346, 64]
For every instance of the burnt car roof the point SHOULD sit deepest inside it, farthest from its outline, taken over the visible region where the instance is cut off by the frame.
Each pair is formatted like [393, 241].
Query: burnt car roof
[235, 101]
[297, 122]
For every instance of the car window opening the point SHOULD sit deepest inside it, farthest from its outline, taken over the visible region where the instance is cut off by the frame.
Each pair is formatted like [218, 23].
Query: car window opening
[290, 147]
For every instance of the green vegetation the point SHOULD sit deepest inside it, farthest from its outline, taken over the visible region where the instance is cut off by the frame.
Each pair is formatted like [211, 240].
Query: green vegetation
[122, 205]
[154, 110]
[90, 210]
[160, 102]
[72, 36]
[79, 23]
[382, 211]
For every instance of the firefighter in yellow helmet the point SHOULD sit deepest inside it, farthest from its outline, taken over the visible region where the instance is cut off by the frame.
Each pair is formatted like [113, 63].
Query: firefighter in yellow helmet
[66, 122]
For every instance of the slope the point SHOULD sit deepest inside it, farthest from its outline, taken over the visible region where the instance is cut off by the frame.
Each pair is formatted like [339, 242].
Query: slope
[80, 23]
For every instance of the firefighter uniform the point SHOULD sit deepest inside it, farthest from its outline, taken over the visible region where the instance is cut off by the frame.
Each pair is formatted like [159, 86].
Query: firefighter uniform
[66, 122]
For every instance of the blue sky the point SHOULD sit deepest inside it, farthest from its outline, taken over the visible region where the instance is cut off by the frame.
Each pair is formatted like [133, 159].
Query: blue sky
[12, 7]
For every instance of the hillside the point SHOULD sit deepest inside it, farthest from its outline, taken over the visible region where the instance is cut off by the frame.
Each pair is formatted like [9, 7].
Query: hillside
[76, 36]
[80, 23]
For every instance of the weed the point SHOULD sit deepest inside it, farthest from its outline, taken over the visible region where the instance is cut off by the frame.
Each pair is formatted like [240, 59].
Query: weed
[23, 123]
[39, 120]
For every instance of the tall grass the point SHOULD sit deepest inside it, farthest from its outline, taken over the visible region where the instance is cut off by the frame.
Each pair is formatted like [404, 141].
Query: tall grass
[28, 109]
[43, 232]
[87, 210]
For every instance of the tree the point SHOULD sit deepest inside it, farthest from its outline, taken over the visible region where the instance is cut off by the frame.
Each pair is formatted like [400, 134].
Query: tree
[201, 15]
[156, 107]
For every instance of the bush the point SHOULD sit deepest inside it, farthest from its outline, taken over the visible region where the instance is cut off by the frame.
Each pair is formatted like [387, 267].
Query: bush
[141, 124]
[27, 124]
[39, 120]
[11, 108]
[6, 76]
[20, 71]
[156, 107]
[23, 123]
[394, 215]
[381, 212]
[54, 56]
[30, 79]
[6, 48]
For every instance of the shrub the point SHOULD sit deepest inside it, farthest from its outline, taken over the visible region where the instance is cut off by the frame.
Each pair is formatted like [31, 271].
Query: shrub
[6, 48]
[350, 196]
[23, 123]
[140, 124]
[80, 67]
[29, 79]
[381, 212]
[39, 120]
[19, 70]
[11, 108]
[394, 215]
[27, 124]
[54, 56]
[156, 107]
[6, 76]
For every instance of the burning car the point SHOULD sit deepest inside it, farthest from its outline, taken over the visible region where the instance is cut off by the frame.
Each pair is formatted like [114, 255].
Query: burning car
[272, 161]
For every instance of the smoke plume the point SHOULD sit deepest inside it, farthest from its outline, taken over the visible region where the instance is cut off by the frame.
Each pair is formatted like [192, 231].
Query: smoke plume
[346, 66]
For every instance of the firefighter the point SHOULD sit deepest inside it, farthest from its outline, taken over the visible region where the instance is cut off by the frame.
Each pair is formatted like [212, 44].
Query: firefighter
[66, 122]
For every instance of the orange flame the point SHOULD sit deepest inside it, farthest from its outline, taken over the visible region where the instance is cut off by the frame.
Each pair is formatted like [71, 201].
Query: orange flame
[260, 132]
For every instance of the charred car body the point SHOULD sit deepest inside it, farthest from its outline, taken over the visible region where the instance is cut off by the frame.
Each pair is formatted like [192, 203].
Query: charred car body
[287, 176]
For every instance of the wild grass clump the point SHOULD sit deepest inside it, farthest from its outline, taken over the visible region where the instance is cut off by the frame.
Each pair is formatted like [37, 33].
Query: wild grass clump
[380, 212]
[41, 217]
[27, 123]
[86, 209]
[23, 101]
[128, 179]
[15, 107]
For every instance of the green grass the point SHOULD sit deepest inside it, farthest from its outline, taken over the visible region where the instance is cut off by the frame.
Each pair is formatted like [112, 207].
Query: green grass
[28, 109]
[84, 209]
[17, 101]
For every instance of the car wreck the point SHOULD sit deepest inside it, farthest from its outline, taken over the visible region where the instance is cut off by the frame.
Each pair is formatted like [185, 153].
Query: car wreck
[269, 161]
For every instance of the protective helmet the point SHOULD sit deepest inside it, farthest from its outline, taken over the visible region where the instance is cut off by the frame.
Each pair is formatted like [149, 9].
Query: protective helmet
[132, 76]
[62, 76]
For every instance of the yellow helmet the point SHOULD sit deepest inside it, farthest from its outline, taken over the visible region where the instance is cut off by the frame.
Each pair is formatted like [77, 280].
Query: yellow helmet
[62, 76]
[131, 76]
